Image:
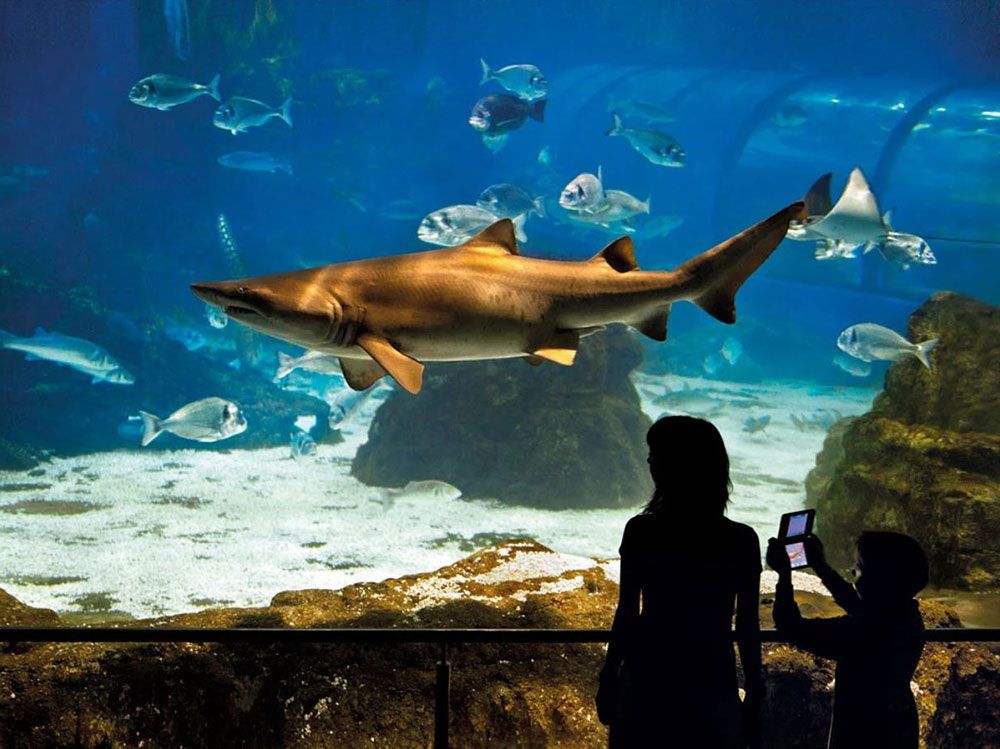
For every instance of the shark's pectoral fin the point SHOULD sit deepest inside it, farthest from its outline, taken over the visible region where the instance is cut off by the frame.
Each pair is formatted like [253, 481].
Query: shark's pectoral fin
[560, 348]
[654, 325]
[361, 374]
[408, 372]
[620, 255]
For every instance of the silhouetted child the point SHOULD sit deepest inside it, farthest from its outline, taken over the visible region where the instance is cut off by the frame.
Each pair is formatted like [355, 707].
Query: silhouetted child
[877, 645]
[669, 679]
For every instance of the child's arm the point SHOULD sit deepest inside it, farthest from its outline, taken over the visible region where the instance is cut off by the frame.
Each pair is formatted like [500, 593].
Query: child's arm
[827, 638]
[842, 591]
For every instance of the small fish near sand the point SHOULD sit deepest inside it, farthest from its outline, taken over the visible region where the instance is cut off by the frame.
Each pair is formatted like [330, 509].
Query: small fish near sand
[161, 91]
[870, 342]
[255, 161]
[421, 491]
[302, 445]
[820, 419]
[658, 148]
[76, 353]
[526, 81]
[753, 425]
[205, 420]
[238, 114]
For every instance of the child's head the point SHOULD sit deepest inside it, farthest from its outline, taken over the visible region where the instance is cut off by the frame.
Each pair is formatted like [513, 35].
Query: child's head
[891, 567]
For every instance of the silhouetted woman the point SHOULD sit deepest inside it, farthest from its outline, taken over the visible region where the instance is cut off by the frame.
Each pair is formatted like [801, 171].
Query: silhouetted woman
[684, 568]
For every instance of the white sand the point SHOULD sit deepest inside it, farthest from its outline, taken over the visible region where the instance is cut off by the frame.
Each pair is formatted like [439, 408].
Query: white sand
[262, 523]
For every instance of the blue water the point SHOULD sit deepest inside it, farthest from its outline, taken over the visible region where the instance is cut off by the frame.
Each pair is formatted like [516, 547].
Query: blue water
[118, 205]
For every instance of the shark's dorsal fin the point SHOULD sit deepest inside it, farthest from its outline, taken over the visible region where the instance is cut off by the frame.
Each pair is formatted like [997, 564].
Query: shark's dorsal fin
[818, 200]
[361, 374]
[560, 348]
[408, 372]
[620, 255]
[498, 234]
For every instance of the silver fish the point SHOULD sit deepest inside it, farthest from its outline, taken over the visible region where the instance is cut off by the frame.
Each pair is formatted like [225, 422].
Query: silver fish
[455, 224]
[311, 361]
[346, 404]
[904, 250]
[205, 420]
[619, 205]
[255, 161]
[657, 147]
[161, 91]
[545, 155]
[870, 342]
[713, 363]
[731, 350]
[509, 201]
[660, 226]
[584, 192]
[76, 353]
[526, 81]
[430, 489]
[237, 114]
[640, 110]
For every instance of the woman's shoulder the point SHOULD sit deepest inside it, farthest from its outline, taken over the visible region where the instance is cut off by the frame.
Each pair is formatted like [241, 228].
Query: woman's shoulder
[741, 532]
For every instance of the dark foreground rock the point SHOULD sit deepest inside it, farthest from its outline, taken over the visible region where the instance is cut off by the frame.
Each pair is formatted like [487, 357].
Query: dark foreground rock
[926, 459]
[373, 695]
[546, 436]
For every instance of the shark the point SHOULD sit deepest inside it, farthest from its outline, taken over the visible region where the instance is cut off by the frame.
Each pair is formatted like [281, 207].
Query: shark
[386, 316]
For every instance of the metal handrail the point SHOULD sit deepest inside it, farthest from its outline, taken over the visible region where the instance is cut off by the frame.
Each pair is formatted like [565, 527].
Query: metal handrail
[443, 637]
[126, 633]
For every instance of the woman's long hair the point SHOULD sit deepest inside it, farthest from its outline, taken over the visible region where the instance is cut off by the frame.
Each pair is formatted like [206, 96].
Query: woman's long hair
[689, 465]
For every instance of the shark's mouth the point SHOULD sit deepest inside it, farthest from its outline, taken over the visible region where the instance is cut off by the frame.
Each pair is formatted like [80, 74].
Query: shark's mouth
[234, 311]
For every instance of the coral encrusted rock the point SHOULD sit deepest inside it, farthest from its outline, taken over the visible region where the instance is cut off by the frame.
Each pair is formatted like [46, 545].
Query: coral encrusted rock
[926, 459]
[547, 436]
[351, 695]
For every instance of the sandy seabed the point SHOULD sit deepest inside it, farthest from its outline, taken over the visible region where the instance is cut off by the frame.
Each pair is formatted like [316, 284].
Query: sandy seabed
[153, 533]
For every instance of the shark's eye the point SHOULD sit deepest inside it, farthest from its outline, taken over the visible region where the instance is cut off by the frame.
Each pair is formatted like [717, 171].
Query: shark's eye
[242, 290]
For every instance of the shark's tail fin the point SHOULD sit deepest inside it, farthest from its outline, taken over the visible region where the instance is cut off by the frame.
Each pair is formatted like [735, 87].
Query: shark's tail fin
[151, 427]
[213, 88]
[925, 348]
[487, 73]
[286, 364]
[617, 126]
[716, 275]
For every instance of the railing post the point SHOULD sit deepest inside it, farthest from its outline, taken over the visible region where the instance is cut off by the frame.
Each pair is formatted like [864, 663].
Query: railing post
[442, 689]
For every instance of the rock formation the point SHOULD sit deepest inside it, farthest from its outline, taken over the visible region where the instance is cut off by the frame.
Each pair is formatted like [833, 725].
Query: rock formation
[368, 695]
[547, 436]
[926, 459]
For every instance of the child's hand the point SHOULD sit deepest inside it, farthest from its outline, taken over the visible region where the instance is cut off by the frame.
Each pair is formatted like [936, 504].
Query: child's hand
[777, 557]
[814, 552]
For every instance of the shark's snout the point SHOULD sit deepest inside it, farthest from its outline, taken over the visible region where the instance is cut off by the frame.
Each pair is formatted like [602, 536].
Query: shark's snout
[207, 292]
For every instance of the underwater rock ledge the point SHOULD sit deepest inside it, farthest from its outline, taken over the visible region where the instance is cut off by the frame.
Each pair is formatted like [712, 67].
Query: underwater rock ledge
[549, 436]
[362, 695]
[926, 459]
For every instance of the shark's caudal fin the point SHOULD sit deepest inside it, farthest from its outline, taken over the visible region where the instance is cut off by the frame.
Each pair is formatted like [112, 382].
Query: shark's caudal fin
[818, 200]
[716, 275]
[151, 427]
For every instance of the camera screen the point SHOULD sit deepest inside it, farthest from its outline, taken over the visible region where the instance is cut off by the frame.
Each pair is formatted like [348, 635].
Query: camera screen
[798, 524]
[796, 553]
